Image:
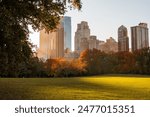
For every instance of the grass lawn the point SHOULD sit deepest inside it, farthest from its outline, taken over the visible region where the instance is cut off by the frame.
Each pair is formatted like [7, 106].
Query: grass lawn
[98, 87]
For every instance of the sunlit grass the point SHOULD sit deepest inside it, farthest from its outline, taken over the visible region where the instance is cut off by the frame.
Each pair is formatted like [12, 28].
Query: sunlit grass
[98, 87]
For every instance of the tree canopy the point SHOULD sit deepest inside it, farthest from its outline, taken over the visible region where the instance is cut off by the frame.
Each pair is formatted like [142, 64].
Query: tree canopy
[15, 17]
[38, 13]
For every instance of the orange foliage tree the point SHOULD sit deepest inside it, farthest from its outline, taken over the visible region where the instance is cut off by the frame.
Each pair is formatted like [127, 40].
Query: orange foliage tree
[64, 68]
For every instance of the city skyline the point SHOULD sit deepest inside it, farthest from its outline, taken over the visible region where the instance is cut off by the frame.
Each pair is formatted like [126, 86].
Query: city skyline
[104, 17]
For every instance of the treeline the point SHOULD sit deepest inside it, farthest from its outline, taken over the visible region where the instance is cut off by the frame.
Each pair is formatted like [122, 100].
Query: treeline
[98, 62]
[90, 62]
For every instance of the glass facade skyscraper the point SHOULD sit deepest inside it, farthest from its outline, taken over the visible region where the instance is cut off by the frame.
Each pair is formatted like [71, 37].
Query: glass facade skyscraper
[66, 22]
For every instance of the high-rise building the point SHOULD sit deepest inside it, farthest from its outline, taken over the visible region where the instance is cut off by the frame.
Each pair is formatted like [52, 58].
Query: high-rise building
[92, 42]
[123, 40]
[82, 32]
[139, 36]
[66, 22]
[51, 44]
[109, 46]
[84, 44]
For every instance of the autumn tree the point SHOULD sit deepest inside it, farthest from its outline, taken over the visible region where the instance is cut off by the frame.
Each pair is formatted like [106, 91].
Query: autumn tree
[65, 68]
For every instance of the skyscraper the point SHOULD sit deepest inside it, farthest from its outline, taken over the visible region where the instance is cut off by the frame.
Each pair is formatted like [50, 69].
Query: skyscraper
[109, 46]
[51, 44]
[83, 32]
[123, 40]
[66, 22]
[92, 42]
[139, 36]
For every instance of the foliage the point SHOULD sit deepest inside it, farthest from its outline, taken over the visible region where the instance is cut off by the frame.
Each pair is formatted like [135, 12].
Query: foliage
[38, 13]
[15, 17]
[98, 62]
[63, 68]
[34, 68]
[94, 60]
[125, 62]
[142, 61]
[122, 62]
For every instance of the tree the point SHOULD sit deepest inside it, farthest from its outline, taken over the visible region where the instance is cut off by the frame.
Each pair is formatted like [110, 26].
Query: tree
[15, 17]
[64, 68]
[125, 62]
[38, 13]
[95, 60]
[142, 61]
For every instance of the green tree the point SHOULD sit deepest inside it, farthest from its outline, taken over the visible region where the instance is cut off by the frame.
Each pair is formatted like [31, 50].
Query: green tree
[15, 17]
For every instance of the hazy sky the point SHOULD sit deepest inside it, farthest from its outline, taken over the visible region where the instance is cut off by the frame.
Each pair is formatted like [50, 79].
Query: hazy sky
[105, 16]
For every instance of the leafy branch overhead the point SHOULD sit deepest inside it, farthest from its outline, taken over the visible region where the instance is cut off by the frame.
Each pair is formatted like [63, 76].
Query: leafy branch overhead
[36, 12]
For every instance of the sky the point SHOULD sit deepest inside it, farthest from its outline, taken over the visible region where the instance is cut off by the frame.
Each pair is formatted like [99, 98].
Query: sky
[105, 16]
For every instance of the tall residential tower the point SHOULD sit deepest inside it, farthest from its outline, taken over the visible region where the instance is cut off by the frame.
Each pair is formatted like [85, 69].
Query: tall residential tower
[123, 40]
[82, 35]
[139, 37]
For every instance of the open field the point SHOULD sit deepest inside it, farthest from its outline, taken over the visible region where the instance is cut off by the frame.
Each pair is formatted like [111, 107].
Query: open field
[98, 87]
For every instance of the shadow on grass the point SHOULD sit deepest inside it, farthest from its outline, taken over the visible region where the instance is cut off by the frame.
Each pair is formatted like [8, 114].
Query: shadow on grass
[65, 88]
[102, 91]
